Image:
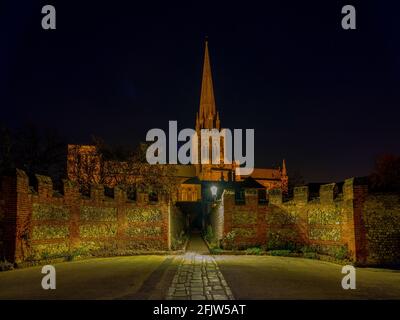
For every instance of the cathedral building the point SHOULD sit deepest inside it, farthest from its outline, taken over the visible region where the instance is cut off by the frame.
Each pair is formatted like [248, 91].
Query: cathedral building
[208, 118]
[193, 179]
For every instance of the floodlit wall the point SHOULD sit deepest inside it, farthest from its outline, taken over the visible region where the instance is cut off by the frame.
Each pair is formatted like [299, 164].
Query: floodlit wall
[40, 223]
[351, 223]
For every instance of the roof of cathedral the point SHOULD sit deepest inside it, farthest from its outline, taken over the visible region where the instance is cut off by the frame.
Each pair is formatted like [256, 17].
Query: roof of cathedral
[250, 183]
[266, 174]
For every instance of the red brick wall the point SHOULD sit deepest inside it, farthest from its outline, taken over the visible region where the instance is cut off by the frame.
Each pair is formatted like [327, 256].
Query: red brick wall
[246, 220]
[40, 223]
[380, 216]
[332, 222]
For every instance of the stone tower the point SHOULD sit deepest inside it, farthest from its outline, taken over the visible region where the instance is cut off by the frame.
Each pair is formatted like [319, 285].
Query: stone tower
[208, 118]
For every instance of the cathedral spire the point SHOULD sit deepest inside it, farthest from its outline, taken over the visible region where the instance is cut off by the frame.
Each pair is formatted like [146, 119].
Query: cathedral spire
[207, 101]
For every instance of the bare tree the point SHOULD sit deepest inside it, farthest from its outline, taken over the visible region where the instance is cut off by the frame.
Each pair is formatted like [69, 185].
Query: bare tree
[33, 149]
[5, 149]
[111, 166]
[386, 173]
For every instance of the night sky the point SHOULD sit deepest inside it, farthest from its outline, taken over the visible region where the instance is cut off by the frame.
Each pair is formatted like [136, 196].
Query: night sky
[325, 99]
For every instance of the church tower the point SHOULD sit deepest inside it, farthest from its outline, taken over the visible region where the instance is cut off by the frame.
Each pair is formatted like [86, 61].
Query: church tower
[208, 118]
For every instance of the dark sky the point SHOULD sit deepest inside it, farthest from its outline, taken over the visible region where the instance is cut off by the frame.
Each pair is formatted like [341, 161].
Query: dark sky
[325, 99]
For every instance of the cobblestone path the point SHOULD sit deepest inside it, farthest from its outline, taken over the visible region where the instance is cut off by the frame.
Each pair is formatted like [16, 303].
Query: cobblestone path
[198, 276]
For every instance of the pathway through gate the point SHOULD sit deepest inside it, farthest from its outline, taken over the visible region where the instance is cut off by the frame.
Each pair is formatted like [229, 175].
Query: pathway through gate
[198, 276]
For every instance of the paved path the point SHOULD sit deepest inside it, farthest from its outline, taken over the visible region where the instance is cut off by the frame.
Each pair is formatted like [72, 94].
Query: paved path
[198, 276]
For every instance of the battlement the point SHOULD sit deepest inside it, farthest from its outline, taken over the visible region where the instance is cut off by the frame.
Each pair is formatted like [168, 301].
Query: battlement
[104, 222]
[42, 188]
[340, 217]
[327, 193]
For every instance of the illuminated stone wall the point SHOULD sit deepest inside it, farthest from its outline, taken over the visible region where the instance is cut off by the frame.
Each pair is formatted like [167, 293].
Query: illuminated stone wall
[41, 224]
[351, 223]
[381, 214]
[245, 221]
[178, 228]
[216, 222]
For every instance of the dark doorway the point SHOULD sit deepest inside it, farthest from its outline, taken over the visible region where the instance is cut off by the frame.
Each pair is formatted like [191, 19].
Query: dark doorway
[194, 215]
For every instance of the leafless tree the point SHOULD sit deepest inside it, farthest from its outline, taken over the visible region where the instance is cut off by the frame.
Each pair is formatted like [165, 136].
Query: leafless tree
[386, 173]
[111, 166]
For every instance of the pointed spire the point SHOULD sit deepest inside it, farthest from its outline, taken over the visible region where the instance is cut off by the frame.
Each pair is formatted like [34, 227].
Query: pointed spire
[207, 101]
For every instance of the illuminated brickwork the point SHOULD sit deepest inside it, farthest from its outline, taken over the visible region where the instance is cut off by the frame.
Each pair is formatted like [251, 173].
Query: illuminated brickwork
[365, 225]
[40, 223]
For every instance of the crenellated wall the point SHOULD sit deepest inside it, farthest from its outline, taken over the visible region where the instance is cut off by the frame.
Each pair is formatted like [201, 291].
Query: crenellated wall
[364, 227]
[246, 220]
[40, 223]
[36, 222]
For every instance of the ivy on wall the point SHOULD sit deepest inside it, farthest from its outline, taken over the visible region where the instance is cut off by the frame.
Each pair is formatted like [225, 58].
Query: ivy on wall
[49, 212]
[244, 217]
[133, 231]
[245, 232]
[98, 230]
[46, 251]
[331, 233]
[324, 215]
[98, 214]
[285, 238]
[282, 216]
[143, 214]
[97, 247]
[148, 244]
[49, 232]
